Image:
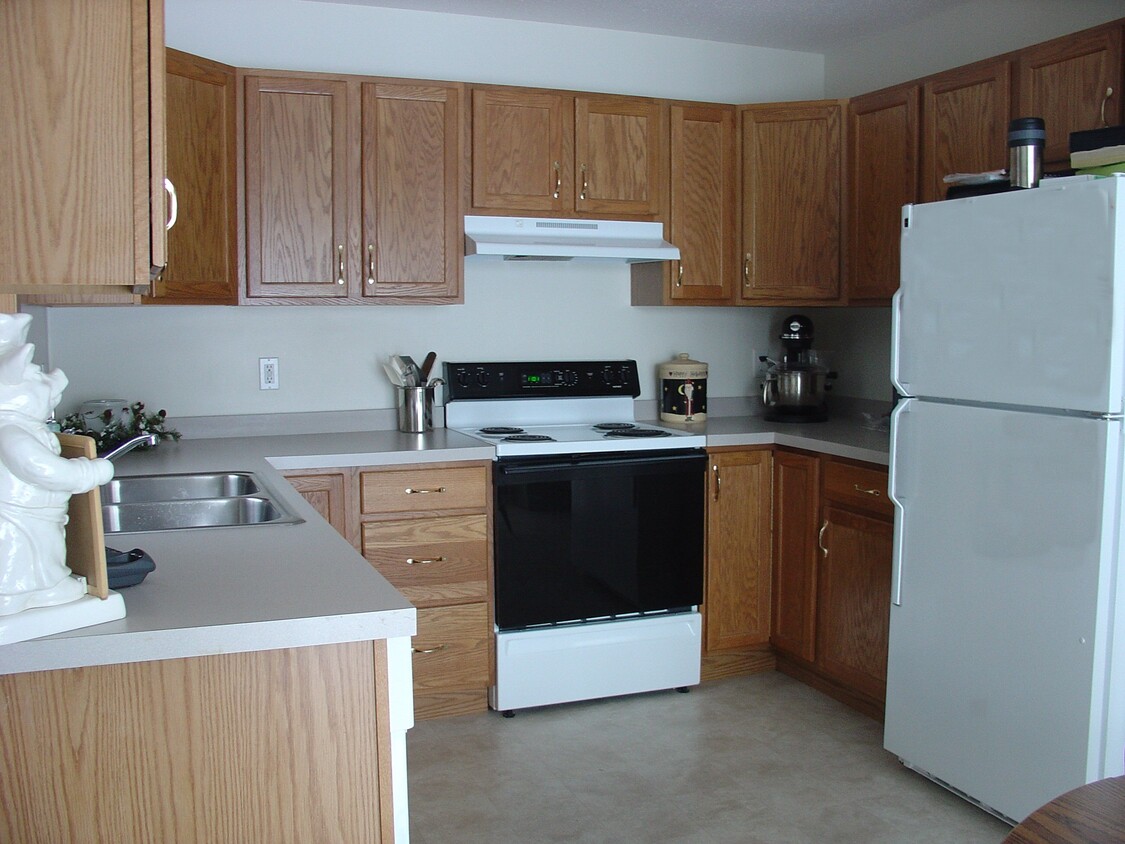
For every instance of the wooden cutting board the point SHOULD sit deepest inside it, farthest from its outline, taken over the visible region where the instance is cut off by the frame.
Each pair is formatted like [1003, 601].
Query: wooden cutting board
[85, 534]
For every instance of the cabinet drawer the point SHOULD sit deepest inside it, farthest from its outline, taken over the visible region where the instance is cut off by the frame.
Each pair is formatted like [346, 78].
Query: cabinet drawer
[858, 486]
[437, 560]
[451, 648]
[423, 490]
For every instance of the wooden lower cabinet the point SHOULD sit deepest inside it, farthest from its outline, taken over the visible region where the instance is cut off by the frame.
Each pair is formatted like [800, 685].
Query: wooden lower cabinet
[427, 528]
[283, 745]
[329, 494]
[833, 528]
[736, 603]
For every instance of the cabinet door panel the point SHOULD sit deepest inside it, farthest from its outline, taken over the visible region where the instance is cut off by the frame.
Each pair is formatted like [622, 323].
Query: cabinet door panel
[298, 241]
[521, 150]
[854, 601]
[618, 150]
[882, 149]
[410, 210]
[737, 604]
[703, 201]
[796, 492]
[791, 202]
[1066, 82]
[965, 123]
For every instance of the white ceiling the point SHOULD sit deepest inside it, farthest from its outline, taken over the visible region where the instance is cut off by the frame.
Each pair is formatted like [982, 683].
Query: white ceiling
[817, 26]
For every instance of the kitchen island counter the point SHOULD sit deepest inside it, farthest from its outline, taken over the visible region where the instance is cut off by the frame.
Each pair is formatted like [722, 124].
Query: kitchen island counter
[254, 587]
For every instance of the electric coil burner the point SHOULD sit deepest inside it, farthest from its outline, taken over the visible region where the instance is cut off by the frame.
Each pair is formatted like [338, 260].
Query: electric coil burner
[597, 531]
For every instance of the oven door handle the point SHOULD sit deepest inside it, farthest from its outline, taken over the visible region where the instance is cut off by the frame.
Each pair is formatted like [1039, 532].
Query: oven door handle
[510, 467]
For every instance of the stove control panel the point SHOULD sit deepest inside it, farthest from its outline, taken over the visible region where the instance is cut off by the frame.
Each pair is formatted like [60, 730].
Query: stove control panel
[525, 379]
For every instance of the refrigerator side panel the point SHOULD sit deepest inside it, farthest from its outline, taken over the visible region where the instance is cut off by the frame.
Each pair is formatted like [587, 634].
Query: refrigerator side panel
[997, 677]
[1015, 298]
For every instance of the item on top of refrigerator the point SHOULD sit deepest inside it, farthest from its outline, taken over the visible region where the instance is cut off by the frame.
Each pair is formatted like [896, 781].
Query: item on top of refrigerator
[1026, 138]
[1097, 147]
[683, 390]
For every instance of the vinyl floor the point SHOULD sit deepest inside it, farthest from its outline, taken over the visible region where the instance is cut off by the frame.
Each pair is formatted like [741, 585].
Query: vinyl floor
[756, 760]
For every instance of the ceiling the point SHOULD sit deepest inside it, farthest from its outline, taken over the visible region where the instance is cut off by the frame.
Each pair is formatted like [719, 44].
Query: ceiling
[817, 26]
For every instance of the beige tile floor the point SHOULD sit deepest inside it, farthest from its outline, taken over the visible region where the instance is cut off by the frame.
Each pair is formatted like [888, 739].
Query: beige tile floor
[755, 760]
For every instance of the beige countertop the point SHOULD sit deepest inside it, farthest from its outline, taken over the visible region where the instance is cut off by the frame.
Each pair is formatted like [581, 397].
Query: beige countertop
[259, 587]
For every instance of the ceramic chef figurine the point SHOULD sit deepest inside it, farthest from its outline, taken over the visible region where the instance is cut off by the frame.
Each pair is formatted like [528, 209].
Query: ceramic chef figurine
[35, 481]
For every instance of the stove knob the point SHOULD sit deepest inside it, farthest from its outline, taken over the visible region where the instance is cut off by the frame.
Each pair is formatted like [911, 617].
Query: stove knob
[570, 377]
[462, 378]
[611, 376]
[482, 377]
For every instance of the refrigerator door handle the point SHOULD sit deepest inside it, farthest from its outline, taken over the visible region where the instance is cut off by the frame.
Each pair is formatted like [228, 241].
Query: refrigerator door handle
[895, 486]
[896, 337]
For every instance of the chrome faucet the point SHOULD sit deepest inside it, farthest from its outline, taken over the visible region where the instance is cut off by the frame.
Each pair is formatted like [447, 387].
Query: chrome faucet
[129, 445]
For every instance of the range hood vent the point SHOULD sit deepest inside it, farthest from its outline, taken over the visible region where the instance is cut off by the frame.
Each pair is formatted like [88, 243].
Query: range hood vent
[530, 239]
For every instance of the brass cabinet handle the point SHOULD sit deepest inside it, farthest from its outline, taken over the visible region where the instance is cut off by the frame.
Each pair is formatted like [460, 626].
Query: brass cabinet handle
[718, 481]
[585, 183]
[1105, 99]
[680, 275]
[820, 538]
[371, 263]
[558, 181]
[412, 491]
[432, 650]
[746, 269]
[421, 561]
[340, 264]
[866, 491]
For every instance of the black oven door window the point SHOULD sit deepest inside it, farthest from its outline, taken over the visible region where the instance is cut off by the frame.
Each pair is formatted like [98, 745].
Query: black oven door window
[582, 538]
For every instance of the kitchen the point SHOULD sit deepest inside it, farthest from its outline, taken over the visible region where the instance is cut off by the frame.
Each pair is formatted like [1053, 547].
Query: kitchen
[590, 303]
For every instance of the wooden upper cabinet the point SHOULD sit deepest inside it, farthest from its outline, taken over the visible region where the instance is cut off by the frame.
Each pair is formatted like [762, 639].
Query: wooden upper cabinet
[522, 150]
[791, 202]
[882, 168]
[549, 152]
[82, 171]
[299, 233]
[618, 155]
[202, 149]
[411, 245]
[1073, 83]
[703, 197]
[965, 114]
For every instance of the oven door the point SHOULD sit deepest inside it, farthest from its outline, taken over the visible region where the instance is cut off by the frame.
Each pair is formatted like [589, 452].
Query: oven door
[583, 537]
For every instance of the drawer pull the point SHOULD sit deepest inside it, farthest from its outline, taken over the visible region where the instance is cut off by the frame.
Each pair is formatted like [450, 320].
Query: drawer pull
[419, 561]
[866, 491]
[412, 491]
[432, 650]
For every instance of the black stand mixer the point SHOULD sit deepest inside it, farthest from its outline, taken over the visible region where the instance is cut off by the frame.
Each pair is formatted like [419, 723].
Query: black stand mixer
[795, 388]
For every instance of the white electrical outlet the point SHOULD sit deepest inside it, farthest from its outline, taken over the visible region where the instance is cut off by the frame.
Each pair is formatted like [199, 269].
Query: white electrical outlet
[268, 375]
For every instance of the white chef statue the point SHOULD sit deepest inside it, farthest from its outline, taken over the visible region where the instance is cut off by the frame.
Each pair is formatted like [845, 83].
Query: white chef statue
[35, 481]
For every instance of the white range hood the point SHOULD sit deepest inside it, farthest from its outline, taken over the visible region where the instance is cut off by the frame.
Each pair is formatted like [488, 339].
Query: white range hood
[535, 239]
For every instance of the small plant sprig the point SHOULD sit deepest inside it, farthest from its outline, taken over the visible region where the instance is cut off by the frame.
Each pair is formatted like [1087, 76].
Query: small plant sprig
[131, 422]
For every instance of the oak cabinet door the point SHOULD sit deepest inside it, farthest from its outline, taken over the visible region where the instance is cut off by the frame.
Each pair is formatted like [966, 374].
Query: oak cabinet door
[796, 479]
[791, 189]
[411, 222]
[964, 124]
[703, 203]
[522, 150]
[882, 171]
[1068, 82]
[82, 170]
[854, 600]
[202, 246]
[298, 171]
[618, 150]
[736, 604]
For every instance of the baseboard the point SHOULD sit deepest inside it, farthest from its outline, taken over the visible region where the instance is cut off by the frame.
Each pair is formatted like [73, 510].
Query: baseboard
[719, 665]
[445, 704]
[861, 703]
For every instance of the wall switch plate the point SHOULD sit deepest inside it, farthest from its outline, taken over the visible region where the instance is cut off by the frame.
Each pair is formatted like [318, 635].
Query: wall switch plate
[268, 378]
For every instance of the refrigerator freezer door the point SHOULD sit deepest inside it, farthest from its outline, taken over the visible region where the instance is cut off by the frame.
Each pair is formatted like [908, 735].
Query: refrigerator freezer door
[1001, 680]
[1015, 298]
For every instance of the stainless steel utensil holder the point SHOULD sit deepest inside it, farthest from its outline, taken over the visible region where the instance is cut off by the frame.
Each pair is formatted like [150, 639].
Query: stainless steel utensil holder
[416, 409]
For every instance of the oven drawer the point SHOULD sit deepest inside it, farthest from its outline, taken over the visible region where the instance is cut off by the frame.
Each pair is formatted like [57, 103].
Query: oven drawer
[451, 648]
[436, 560]
[423, 490]
[858, 486]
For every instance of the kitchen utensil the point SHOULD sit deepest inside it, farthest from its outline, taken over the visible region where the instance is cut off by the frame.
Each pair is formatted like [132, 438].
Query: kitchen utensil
[427, 365]
[393, 375]
[407, 369]
[416, 409]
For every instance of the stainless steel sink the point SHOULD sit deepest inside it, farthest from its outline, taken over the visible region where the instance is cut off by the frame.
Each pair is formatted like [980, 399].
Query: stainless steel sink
[189, 501]
[148, 488]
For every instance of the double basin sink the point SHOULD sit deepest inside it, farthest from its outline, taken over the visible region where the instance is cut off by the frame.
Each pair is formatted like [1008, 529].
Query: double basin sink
[178, 502]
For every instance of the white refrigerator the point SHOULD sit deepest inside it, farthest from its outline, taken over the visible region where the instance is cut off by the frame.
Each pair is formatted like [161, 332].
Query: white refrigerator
[1006, 672]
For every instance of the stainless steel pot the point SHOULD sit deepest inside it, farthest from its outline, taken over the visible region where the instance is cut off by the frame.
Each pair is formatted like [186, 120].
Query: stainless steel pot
[795, 386]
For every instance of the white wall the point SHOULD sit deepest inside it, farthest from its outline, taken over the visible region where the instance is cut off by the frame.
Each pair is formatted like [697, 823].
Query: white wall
[958, 36]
